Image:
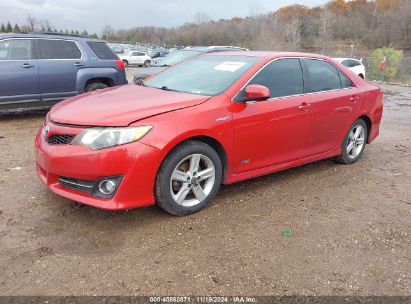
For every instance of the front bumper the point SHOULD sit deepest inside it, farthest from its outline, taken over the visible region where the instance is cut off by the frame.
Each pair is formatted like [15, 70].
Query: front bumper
[136, 162]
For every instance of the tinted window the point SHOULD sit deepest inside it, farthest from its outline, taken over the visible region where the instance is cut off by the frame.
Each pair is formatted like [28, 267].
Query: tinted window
[321, 76]
[346, 63]
[102, 50]
[351, 63]
[17, 49]
[345, 82]
[138, 54]
[58, 49]
[355, 63]
[282, 77]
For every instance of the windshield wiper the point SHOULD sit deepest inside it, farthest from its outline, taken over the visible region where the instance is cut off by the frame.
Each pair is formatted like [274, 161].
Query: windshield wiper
[140, 82]
[165, 88]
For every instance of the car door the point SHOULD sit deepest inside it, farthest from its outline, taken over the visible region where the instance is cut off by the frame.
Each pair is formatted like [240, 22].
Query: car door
[59, 62]
[19, 78]
[334, 101]
[274, 131]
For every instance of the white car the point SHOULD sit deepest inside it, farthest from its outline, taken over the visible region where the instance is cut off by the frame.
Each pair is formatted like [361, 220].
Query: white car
[354, 65]
[135, 57]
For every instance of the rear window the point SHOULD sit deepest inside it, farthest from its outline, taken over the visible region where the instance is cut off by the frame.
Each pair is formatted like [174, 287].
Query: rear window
[58, 49]
[345, 82]
[321, 76]
[102, 50]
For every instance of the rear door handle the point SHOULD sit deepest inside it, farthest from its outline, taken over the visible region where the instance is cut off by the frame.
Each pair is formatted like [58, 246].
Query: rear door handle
[27, 65]
[305, 106]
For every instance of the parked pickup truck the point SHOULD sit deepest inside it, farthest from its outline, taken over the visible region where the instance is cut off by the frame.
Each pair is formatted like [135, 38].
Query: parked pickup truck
[38, 70]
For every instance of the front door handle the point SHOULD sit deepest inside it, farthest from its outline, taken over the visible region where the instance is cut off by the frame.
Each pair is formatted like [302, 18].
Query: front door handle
[354, 98]
[305, 106]
[79, 64]
[27, 65]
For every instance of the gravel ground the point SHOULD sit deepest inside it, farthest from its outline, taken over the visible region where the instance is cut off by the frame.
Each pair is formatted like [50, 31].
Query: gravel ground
[350, 229]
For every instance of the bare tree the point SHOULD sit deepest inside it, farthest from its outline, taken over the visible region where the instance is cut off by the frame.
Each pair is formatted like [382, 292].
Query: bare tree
[31, 23]
[293, 33]
[325, 27]
[107, 31]
[201, 18]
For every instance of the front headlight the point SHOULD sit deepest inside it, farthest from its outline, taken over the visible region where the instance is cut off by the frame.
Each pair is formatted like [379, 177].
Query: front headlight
[100, 138]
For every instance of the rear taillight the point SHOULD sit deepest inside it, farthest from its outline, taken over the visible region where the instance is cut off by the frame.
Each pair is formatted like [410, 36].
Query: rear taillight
[120, 64]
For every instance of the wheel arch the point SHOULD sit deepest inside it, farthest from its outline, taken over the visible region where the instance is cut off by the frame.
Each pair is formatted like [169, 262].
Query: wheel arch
[368, 123]
[209, 140]
[106, 80]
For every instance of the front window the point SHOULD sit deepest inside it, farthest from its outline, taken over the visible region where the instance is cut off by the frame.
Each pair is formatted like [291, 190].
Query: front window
[177, 57]
[283, 77]
[204, 75]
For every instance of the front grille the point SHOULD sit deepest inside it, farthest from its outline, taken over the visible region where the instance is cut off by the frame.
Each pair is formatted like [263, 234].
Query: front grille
[60, 139]
[77, 184]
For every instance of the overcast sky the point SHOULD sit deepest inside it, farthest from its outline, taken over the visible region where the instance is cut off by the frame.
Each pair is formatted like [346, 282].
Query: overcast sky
[92, 15]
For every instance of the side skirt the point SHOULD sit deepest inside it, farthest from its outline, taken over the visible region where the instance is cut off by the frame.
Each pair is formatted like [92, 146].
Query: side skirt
[234, 178]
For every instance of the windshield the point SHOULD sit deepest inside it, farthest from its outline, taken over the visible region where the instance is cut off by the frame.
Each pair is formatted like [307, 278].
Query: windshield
[204, 75]
[177, 57]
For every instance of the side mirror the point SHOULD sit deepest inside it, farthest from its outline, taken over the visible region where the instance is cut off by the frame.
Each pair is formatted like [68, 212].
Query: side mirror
[256, 92]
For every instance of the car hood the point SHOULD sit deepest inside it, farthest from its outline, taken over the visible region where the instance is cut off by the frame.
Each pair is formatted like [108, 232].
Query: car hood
[144, 73]
[120, 106]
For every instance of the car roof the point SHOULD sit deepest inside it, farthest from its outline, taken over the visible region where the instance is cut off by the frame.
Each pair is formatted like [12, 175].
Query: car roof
[48, 36]
[342, 59]
[213, 48]
[263, 54]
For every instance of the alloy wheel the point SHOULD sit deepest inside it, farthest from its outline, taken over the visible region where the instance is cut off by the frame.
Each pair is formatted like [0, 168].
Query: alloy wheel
[356, 141]
[192, 180]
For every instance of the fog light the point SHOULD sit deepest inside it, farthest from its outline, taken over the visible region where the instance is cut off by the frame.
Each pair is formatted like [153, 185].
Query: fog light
[107, 186]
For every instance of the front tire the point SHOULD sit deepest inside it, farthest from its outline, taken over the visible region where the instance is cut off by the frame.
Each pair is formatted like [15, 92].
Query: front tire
[354, 143]
[125, 63]
[147, 63]
[188, 179]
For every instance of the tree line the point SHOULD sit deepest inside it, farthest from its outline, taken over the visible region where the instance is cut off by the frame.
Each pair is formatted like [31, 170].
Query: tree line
[33, 25]
[338, 27]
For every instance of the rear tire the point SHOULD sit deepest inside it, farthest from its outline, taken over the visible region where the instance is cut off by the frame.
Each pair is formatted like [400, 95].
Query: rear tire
[125, 63]
[147, 63]
[362, 76]
[188, 179]
[95, 86]
[354, 143]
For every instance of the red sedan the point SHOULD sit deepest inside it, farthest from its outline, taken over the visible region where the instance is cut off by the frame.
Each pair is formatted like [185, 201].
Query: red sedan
[219, 118]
